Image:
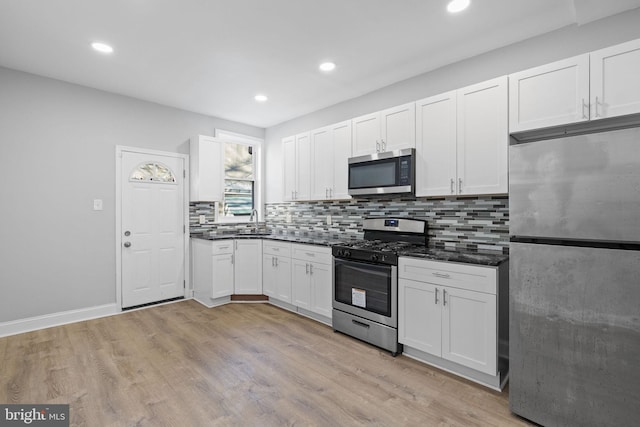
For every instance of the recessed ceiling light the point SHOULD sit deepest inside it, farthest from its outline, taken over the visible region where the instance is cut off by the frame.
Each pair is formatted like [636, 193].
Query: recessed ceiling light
[456, 6]
[327, 66]
[260, 98]
[102, 47]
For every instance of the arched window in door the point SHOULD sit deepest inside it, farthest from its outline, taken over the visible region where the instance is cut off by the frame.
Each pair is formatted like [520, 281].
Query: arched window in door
[152, 172]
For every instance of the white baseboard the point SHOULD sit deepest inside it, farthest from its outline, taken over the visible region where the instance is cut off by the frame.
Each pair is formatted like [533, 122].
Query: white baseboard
[15, 327]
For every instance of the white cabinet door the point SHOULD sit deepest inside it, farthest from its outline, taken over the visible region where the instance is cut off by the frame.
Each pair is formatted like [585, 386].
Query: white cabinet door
[283, 279]
[322, 296]
[289, 167]
[615, 86]
[398, 127]
[341, 153]
[223, 275]
[419, 316]
[248, 266]
[300, 284]
[549, 95]
[322, 163]
[303, 166]
[366, 134]
[269, 276]
[483, 138]
[436, 173]
[469, 329]
[206, 169]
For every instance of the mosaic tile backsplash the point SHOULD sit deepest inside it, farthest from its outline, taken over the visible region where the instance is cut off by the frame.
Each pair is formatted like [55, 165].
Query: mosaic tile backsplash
[478, 223]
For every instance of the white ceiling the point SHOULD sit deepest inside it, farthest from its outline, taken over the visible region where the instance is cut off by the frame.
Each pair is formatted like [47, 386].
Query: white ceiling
[213, 56]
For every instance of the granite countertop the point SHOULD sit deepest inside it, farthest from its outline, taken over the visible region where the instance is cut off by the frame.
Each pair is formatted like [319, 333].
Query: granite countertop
[320, 239]
[480, 257]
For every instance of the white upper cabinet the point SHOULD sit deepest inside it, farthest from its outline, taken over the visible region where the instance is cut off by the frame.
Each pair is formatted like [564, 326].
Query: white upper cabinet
[296, 166]
[206, 169]
[390, 129]
[462, 141]
[592, 86]
[483, 138]
[330, 151]
[436, 154]
[549, 95]
[615, 82]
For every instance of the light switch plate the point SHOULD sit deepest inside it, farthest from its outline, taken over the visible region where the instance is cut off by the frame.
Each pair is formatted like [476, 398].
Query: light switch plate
[328, 219]
[287, 219]
[97, 204]
[202, 219]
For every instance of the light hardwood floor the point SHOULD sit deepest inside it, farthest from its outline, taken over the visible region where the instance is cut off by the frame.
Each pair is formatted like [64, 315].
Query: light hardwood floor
[183, 364]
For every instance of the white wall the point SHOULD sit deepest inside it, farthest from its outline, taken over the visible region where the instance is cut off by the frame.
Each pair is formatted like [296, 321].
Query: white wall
[57, 154]
[563, 43]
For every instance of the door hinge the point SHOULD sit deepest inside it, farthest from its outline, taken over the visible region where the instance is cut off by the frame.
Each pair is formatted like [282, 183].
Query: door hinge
[184, 173]
[184, 284]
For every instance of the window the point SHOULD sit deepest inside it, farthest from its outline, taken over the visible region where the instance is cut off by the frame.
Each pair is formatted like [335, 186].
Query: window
[240, 179]
[152, 172]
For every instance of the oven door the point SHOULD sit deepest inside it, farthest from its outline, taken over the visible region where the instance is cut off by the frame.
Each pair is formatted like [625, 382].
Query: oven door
[366, 290]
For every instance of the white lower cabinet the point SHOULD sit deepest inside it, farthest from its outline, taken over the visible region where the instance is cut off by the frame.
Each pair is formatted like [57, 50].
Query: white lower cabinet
[248, 267]
[212, 269]
[450, 311]
[276, 270]
[311, 278]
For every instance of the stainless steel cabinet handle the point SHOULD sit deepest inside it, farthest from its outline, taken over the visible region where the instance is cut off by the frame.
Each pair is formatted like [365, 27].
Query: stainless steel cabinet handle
[232, 259]
[310, 268]
[127, 244]
[459, 185]
[310, 254]
[453, 186]
[384, 145]
[276, 249]
[273, 262]
[436, 294]
[326, 193]
[223, 247]
[444, 297]
[307, 265]
[236, 242]
[331, 193]
[443, 275]
[276, 261]
[584, 105]
[377, 146]
[597, 114]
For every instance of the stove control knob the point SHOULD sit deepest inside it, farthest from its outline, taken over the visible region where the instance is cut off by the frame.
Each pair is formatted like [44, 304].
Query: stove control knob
[374, 257]
[347, 254]
[339, 252]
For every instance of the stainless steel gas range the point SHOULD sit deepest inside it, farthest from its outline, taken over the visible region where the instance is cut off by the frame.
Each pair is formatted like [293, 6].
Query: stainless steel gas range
[365, 280]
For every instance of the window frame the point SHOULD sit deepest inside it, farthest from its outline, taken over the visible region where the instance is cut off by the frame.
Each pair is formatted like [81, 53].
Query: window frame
[257, 144]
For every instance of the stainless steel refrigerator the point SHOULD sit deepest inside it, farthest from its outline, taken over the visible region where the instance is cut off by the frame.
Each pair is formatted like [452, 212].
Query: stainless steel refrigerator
[574, 298]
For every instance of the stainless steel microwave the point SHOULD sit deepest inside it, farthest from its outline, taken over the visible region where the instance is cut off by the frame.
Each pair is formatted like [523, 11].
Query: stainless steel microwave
[392, 172]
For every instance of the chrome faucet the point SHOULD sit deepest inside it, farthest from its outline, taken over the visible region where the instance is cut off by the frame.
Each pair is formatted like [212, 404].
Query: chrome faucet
[254, 216]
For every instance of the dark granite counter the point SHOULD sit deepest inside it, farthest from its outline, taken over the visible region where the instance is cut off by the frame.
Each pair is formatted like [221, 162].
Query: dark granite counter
[481, 257]
[320, 239]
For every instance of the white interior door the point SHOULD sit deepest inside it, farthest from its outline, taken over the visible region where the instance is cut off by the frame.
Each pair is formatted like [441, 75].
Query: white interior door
[152, 228]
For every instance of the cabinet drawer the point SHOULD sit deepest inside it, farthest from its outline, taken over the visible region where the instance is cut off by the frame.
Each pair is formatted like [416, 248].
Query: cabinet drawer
[470, 277]
[276, 248]
[311, 253]
[222, 247]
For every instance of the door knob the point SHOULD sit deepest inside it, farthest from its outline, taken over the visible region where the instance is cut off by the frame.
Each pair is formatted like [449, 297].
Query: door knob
[127, 244]
[127, 233]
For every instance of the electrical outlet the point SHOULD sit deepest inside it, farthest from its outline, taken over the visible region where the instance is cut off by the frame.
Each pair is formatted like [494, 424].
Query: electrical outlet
[328, 219]
[97, 204]
[202, 219]
[287, 219]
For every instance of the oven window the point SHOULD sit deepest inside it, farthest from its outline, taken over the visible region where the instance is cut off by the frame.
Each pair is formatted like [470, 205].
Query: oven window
[363, 285]
[379, 173]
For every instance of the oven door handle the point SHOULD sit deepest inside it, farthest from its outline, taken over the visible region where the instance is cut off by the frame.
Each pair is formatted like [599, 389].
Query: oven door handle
[364, 325]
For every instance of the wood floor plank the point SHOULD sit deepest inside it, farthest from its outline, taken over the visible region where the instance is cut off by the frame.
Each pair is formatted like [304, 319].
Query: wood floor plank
[239, 364]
